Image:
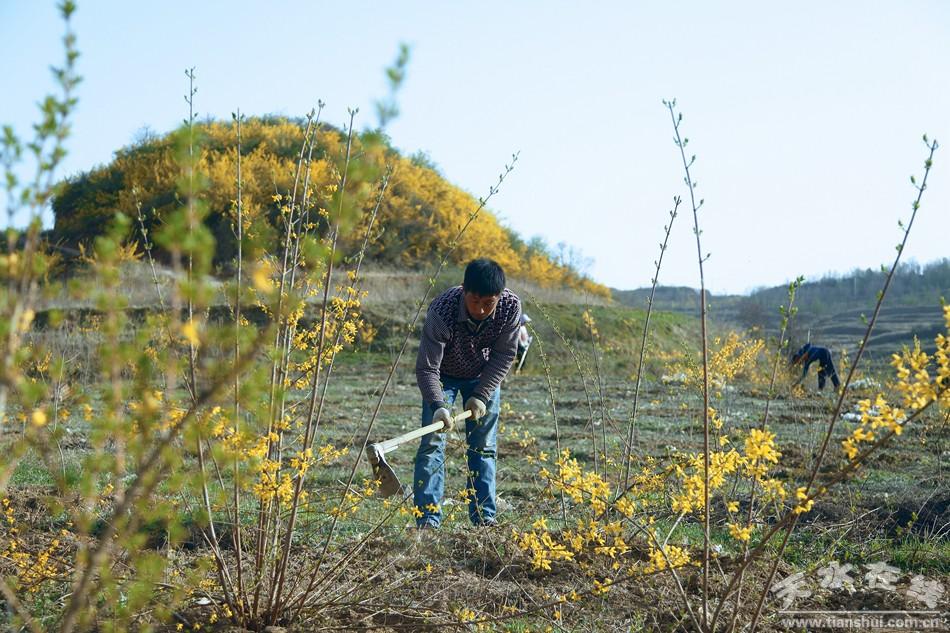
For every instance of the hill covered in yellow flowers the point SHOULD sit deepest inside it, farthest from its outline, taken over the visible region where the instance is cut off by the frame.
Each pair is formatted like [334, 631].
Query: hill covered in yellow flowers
[418, 216]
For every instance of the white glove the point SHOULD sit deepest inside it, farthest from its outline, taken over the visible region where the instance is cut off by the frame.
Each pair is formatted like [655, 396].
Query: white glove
[476, 406]
[443, 415]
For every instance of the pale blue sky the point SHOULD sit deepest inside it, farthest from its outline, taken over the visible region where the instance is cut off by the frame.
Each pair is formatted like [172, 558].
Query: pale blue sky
[806, 117]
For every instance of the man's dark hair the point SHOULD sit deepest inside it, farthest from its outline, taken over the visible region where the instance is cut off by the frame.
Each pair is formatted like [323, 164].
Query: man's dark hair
[801, 353]
[484, 277]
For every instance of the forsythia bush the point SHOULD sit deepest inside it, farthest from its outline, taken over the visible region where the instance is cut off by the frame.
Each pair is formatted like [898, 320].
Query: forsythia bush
[421, 212]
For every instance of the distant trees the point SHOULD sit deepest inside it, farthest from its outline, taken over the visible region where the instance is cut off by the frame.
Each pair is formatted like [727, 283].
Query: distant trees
[823, 302]
[913, 284]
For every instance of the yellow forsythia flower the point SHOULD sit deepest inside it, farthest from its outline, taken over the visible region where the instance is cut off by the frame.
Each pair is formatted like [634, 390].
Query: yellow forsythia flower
[740, 533]
[190, 332]
[38, 418]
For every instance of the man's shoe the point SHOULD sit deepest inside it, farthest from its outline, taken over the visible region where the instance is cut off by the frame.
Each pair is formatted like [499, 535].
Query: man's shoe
[425, 532]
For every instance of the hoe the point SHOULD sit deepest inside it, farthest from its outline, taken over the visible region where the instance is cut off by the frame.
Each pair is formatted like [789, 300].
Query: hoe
[388, 481]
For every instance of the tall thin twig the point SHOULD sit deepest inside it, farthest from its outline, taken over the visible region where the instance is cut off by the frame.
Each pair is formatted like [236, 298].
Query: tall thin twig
[681, 143]
[557, 428]
[632, 428]
[239, 282]
[592, 330]
[192, 217]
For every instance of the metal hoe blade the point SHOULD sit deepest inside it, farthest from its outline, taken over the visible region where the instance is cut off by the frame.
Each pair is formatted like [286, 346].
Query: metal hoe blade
[388, 481]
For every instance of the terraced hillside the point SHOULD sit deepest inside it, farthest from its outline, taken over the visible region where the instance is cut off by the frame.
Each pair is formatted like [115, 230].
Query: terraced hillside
[831, 311]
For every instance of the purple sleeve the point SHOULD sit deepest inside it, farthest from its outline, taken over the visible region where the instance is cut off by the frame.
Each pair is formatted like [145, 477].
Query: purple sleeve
[500, 359]
[435, 335]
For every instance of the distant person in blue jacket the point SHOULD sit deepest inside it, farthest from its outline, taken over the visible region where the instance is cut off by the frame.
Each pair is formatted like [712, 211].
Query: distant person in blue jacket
[807, 355]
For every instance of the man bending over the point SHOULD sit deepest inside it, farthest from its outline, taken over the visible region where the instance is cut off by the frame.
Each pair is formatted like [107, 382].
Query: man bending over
[807, 355]
[469, 341]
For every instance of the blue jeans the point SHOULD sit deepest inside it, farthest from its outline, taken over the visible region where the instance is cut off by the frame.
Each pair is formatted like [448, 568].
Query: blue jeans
[481, 435]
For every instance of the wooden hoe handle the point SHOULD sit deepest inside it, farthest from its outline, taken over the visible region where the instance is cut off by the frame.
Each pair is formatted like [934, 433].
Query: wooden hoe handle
[389, 445]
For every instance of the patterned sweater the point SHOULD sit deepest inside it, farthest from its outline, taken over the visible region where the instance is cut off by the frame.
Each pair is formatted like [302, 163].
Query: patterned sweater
[455, 346]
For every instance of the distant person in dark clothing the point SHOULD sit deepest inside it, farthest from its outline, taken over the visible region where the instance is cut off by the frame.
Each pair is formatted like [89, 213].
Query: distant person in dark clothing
[807, 355]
